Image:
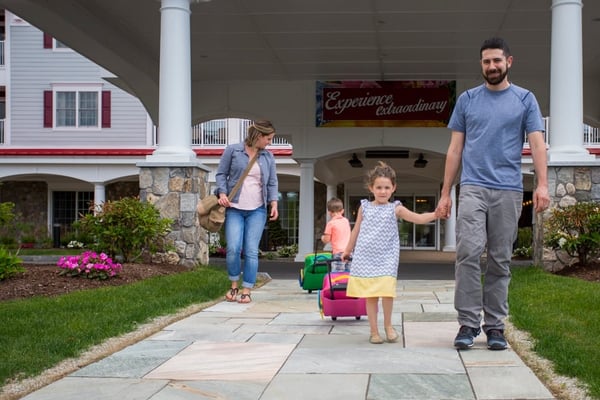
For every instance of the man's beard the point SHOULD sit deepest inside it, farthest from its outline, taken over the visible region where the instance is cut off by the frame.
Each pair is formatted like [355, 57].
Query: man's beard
[497, 79]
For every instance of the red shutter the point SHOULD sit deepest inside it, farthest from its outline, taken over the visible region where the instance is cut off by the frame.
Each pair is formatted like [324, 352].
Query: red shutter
[106, 108]
[48, 108]
[47, 41]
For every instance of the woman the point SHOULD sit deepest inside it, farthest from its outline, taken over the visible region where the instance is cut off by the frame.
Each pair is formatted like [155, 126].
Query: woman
[247, 210]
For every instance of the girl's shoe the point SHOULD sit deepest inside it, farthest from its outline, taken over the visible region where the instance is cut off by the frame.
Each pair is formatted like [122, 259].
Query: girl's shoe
[391, 335]
[375, 339]
[231, 295]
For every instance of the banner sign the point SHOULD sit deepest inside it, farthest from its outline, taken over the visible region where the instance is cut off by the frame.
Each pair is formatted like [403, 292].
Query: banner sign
[385, 103]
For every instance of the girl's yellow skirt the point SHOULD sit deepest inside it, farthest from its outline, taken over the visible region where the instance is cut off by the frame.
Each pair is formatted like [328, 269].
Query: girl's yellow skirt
[381, 286]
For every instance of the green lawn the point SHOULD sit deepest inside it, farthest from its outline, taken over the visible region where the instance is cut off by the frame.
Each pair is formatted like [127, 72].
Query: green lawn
[562, 315]
[38, 333]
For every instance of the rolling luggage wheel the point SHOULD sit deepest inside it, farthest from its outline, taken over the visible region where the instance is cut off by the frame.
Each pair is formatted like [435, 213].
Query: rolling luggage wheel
[333, 318]
[357, 317]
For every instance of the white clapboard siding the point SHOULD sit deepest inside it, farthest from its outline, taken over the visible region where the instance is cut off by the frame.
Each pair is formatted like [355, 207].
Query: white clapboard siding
[34, 70]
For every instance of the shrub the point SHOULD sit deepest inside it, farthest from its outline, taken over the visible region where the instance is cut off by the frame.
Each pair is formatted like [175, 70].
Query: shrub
[10, 264]
[575, 230]
[127, 227]
[288, 251]
[523, 252]
[523, 247]
[6, 213]
[524, 237]
[277, 235]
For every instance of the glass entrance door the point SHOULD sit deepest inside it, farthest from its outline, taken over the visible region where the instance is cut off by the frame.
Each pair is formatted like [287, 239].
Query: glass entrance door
[411, 236]
[425, 234]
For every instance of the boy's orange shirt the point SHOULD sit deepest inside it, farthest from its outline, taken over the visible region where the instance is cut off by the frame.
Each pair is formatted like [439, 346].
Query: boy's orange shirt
[339, 229]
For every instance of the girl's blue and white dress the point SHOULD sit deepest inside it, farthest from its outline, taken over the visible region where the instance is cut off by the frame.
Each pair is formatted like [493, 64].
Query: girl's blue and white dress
[376, 254]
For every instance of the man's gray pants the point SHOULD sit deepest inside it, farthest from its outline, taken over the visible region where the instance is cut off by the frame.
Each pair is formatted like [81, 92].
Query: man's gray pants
[486, 217]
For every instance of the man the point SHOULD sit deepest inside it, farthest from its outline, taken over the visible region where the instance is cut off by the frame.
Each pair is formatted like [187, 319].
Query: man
[488, 126]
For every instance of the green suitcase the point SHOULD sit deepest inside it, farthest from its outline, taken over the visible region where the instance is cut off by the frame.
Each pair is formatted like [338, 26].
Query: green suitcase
[315, 268]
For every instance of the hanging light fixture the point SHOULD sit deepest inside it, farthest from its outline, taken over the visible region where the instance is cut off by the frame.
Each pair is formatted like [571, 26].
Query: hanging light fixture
[355, 162]
[420, 162]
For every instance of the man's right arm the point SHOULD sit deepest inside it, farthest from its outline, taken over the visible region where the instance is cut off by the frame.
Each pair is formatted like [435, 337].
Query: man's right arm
[451, 168]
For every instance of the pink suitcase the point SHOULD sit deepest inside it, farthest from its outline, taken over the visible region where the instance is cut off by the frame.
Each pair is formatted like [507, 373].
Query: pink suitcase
[333, 301]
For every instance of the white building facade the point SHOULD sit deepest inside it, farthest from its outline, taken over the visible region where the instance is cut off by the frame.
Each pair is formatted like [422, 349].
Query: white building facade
[97, 154]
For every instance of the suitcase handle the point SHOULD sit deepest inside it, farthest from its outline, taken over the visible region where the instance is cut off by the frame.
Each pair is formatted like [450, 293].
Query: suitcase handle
[337, 278]
[319, 260]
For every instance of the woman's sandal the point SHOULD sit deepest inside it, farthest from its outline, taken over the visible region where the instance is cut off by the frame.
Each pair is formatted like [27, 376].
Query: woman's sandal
[232, 294]
[245, 298]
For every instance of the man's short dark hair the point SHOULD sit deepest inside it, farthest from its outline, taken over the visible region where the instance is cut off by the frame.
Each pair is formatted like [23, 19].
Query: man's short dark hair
[495, 43]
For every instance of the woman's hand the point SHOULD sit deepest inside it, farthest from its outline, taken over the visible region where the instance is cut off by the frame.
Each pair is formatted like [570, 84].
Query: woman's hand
[274, 211]
[223, 200]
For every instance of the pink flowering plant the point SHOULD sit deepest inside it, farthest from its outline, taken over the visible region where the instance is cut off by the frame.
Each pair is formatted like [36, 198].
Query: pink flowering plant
[90, 265]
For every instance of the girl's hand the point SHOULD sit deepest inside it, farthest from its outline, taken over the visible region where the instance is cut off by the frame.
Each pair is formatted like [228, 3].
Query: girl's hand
[345, 256]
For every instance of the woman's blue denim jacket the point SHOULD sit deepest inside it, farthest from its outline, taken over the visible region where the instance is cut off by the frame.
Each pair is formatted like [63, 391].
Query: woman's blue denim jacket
[232, 165]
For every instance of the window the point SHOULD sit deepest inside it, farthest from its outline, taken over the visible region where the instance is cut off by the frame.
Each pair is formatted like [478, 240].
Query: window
[68, 207]
[51, 43]
[71, 106]
[77, 109]
[418, 235]
[60, 45]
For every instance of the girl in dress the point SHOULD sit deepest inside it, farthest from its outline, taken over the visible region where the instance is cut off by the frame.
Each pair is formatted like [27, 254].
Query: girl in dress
[375, 248]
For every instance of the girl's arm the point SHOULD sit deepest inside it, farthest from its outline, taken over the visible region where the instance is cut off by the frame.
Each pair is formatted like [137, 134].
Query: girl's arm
[353, 236]
[410, 216]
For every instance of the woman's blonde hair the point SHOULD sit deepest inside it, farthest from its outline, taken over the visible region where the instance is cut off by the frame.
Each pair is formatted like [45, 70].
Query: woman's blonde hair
[258, 129]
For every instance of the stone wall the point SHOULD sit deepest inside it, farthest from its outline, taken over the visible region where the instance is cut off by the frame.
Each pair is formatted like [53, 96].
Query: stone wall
[31, 207]
[567, 185]
[570, 185]
[175, 191]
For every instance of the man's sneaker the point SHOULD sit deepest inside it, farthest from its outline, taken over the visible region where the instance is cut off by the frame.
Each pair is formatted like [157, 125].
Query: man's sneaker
[496, 339]
[465, 336]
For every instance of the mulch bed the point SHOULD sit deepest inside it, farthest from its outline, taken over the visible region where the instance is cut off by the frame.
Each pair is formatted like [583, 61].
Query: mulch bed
[45, 280]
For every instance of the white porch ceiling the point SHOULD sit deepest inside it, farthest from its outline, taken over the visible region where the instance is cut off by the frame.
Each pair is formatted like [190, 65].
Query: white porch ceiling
[235, 40]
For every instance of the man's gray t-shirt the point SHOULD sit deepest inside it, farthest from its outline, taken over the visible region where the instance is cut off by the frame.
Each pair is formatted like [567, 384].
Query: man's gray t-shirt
[494, 124]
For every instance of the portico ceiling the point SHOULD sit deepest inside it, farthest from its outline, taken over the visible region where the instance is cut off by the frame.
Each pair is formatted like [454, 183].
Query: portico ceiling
[237, 40]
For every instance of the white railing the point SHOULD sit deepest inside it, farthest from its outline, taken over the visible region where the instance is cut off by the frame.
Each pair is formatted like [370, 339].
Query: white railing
[210, 133]
[216, 132]
[591, 135]
[277, 140]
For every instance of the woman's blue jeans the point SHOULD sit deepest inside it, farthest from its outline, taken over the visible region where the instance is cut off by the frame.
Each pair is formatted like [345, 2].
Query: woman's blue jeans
[243, 230]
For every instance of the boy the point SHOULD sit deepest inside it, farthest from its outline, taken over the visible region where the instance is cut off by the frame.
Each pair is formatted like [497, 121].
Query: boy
[337, 232]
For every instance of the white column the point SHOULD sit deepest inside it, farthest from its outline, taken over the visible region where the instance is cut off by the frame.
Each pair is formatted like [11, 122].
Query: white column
[99, 196]
[306, 223]
[175, 99]
[331, 192]
[566, 84]
[450, 232]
